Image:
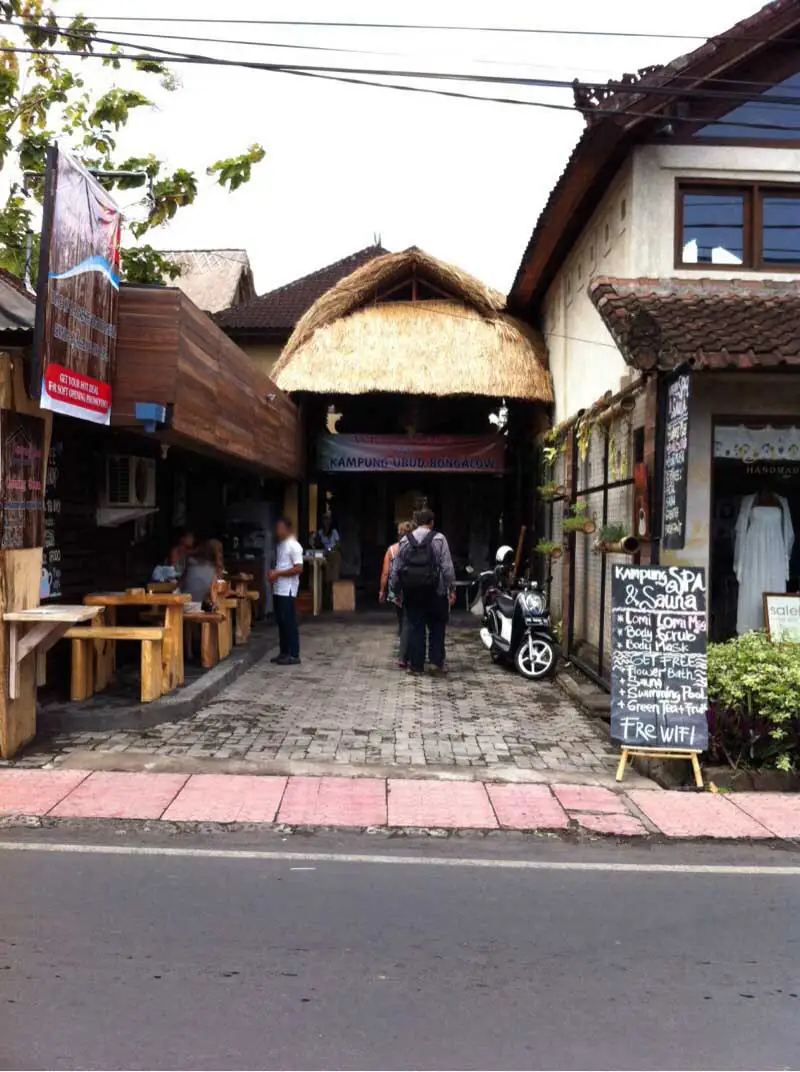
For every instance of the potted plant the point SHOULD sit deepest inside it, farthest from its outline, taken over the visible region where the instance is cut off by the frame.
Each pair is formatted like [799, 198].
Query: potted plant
[577, 519]
[551, 492]
[549, 549]
[615, 540]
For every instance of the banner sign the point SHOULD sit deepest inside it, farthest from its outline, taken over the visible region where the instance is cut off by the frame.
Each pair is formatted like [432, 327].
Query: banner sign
[402, 454]
[676, 462]
[77, 293]
[21, 481]
[658, 663]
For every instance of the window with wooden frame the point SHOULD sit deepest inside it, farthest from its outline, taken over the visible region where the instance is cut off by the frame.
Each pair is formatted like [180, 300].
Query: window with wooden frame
[752, 226]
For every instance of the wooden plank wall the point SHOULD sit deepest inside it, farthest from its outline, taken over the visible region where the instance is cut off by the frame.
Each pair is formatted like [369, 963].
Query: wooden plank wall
[223, 399]
[20, 575]
[147, 349]
[170, 352]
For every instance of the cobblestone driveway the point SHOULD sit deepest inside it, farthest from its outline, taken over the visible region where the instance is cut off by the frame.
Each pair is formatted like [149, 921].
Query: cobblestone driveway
[347, 703]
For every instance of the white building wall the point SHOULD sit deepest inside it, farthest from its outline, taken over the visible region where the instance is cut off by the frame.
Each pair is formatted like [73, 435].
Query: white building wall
[632, 234]
[583, 358]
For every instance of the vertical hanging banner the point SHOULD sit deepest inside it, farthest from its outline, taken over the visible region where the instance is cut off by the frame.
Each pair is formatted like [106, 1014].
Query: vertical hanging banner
[77, 293]
[676, 462]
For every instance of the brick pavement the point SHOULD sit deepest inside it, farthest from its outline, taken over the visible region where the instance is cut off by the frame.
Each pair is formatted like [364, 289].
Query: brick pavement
[348, 704]
[392, 804]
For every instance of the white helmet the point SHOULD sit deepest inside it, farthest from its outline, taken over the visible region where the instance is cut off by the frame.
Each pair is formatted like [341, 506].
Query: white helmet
[504, 556]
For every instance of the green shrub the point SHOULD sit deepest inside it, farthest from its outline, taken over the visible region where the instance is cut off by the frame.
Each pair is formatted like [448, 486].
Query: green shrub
[754, 692]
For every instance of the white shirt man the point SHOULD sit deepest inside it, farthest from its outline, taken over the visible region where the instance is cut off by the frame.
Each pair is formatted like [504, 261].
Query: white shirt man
[285, 581]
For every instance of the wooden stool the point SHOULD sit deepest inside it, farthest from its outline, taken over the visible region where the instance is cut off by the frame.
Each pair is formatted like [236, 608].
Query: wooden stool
[84, 654]
[210, 623]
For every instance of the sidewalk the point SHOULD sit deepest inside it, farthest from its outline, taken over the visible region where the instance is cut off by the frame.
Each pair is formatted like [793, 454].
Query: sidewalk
[394, 804]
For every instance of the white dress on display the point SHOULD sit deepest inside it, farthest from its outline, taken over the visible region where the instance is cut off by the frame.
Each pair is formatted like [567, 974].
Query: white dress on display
[763, 547]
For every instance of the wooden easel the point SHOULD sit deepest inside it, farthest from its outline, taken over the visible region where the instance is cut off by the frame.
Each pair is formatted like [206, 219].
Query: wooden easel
[627, 755]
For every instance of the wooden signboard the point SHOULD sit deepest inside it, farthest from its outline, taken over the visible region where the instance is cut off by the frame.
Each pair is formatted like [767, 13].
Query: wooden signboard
[659, 697]
[21, 481]
[676, 462]
[782, 617]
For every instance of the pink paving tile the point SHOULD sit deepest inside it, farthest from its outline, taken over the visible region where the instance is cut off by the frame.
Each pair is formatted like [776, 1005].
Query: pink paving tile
[449, 804]
[24, 792]
[589, 798]
[778, 812]
[334, 802]
[526, 807]
[120, 795]
[227, 798]
[696, 815]
[617, 824]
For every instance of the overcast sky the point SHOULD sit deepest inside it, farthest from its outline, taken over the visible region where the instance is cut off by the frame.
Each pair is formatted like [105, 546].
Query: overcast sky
[465, 180]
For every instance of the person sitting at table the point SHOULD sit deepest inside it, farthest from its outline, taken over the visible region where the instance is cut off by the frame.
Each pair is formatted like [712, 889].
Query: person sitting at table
[181, 548]
[201, 572]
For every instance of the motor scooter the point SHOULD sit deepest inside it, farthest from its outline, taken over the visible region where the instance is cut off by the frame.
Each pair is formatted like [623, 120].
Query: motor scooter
[516, 621]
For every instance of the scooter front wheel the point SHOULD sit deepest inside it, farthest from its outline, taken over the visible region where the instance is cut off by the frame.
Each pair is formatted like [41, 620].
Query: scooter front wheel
[535, 658]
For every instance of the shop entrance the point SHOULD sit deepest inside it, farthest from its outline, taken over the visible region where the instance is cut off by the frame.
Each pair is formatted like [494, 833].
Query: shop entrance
[366, 510]
[755, 513]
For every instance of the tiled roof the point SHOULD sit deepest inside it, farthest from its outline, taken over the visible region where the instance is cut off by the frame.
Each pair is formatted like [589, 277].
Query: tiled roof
[715, 323]
[212, 278]
[278, 311]
[17, 306]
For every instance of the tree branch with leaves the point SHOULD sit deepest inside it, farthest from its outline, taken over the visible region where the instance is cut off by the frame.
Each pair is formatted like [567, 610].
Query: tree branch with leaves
[44, 96]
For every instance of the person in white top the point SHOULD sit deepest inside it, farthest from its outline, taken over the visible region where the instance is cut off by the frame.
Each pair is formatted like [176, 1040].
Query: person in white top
[285, 581]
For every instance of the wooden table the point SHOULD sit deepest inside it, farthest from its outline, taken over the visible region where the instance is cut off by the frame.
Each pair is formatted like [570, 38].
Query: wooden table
[172, 648]
[47, 625]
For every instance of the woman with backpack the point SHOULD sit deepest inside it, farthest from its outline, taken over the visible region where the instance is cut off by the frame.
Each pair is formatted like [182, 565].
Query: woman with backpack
[422, 571]
[387, 593]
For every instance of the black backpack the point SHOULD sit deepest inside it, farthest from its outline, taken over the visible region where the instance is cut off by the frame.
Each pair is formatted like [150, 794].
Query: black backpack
[418, 569]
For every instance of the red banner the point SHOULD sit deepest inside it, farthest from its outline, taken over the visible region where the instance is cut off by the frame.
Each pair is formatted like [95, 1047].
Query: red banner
[77, 294]
[403, 454]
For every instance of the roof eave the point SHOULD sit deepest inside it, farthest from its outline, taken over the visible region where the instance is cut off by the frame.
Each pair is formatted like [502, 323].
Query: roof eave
[604, 146]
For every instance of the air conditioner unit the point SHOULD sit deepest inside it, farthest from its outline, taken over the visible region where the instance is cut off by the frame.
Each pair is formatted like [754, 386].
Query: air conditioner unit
[130, 482]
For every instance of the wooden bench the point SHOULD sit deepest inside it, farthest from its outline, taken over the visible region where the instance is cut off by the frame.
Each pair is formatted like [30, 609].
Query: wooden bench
[212, 631]
[83, 657]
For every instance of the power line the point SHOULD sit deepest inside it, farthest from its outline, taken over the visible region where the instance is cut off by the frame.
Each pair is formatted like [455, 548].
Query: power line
[544, 83]
[357, 51]
[347, 75]
[546, 31]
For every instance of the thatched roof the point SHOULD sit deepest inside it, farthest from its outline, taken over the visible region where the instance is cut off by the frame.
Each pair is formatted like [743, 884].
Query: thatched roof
[461, 343]
[213, 279]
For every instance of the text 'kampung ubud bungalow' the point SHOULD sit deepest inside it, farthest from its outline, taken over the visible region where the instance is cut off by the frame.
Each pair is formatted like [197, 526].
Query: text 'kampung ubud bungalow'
[417, 389]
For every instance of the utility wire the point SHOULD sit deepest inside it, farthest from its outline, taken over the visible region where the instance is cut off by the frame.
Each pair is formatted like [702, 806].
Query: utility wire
[619, 87]
[249, 43]
[543, 30]
[333, 74]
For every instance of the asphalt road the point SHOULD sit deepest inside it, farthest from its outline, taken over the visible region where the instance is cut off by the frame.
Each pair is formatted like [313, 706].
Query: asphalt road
[179, 961]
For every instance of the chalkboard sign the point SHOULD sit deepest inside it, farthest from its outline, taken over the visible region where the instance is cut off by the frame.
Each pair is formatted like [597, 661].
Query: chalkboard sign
[21, 481]
[676, 462]
[658, 660]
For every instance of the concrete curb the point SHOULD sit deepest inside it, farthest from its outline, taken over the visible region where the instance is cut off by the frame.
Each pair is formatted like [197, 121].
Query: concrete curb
[178, 705]
[133, 761]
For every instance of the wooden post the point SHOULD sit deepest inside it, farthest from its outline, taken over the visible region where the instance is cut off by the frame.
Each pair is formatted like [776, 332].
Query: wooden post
[151, 670]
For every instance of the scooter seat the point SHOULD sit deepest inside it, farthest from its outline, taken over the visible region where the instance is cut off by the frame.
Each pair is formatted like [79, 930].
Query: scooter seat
[505, 604]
